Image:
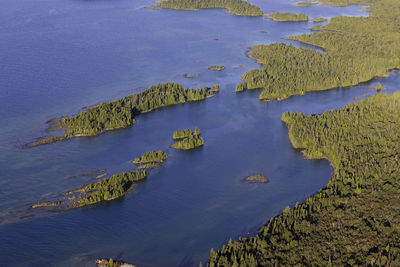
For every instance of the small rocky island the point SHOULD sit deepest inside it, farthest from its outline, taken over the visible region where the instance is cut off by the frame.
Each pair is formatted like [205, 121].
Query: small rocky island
[258, 178]
[217, 67]
[151, 159]
[186, 139]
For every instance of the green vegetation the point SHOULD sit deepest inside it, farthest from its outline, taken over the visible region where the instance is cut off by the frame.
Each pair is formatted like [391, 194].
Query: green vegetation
[289, 17]
[358, 49]
[180, 134]
[354, 220]
[241, 87]
[258, 178]
[122, 112]
[219, 67]
[108, 189]
[306, 4]
[319, 19]
[188, 143]
[237, 7]
[188, 139]
[215, 89]
[151, 159]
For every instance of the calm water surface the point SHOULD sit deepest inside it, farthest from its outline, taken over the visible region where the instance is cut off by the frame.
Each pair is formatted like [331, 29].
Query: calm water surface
[57, 57]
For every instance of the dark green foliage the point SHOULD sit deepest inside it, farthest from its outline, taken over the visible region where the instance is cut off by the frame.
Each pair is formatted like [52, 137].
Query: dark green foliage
[108, 189]
[237, 7]
[151, 157]
[292, 17]
[180, 134]
[188, 139]
[357, 50]
[241, 87]
[190, 142]
[215, 88]
[354, 219]
[196, 132]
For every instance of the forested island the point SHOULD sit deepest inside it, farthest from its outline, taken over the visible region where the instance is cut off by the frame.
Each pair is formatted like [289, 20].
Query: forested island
[353, 220]
[237, 7]
[289, 17]
[187, 139]
[107, 189]
[357, 49]
[121, 113]
[151, 159]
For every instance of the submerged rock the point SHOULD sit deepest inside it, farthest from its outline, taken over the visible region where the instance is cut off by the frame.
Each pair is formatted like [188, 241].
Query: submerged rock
[258, 178]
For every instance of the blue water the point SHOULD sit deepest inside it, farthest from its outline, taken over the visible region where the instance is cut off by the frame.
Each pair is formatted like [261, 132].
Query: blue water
[58, 57]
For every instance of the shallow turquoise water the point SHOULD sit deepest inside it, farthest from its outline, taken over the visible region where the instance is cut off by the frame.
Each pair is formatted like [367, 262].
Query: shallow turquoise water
[58, 57]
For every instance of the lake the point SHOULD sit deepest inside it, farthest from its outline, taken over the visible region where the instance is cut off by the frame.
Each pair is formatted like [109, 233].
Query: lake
[59, 57]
